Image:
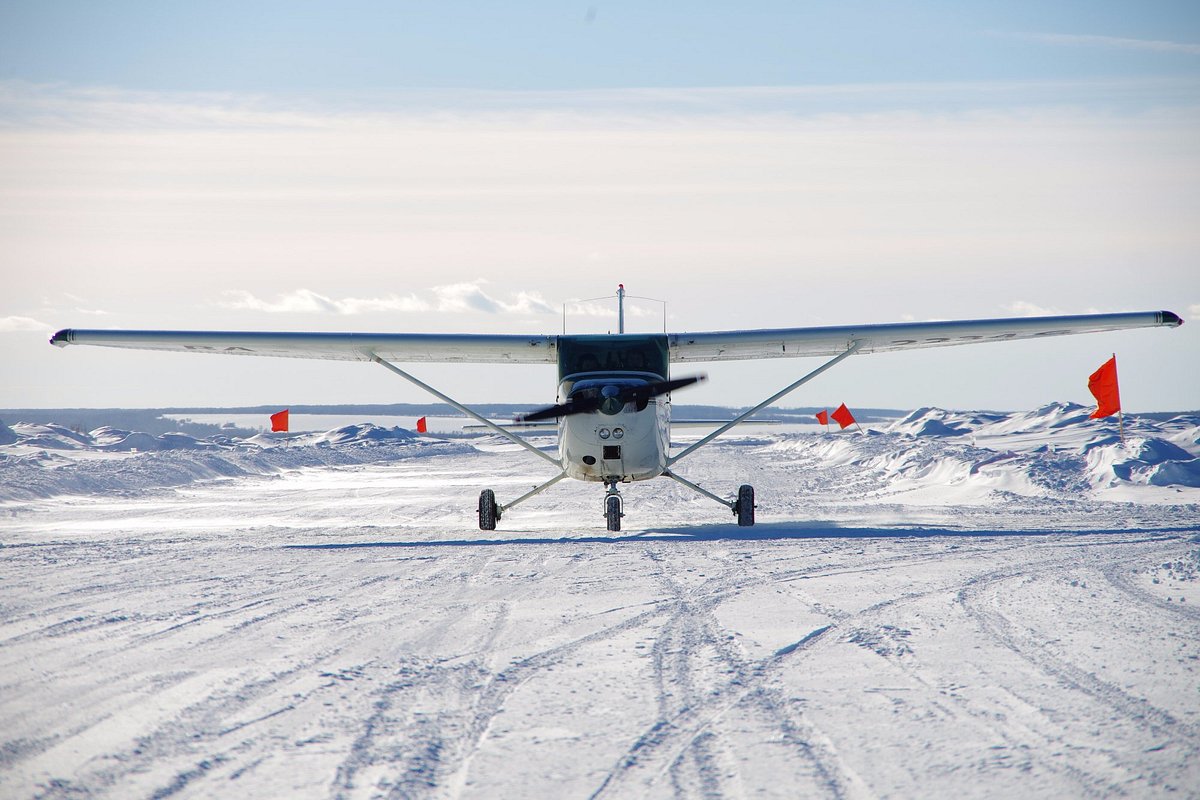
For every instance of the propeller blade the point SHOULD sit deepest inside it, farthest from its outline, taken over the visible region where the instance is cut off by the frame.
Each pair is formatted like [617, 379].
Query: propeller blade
[576, 405]
[550, 412]
[637, 393]
[627, 394]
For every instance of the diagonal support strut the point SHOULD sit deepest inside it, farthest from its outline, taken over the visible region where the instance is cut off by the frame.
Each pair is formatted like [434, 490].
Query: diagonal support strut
[487, 423]
[851, 350]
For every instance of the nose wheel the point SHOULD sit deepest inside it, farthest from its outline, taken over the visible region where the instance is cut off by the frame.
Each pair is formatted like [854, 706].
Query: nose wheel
[613, 507]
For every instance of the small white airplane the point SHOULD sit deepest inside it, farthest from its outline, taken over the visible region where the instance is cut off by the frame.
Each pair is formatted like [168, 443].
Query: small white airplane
[613, 410]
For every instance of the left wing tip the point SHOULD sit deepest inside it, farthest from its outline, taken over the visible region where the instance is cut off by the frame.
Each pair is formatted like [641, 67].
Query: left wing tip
[1170, 318]
[62, 338]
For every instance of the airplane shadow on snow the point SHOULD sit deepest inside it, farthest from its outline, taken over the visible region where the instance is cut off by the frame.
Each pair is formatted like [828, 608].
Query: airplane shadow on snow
[762, 532]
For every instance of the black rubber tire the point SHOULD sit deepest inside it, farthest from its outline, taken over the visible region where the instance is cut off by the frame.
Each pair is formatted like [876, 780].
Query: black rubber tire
[612, 513]
[488, 512]
[745, 506]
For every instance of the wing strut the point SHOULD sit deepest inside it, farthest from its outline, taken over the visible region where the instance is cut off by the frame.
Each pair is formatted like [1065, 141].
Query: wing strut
[851, 350]
[487, 423]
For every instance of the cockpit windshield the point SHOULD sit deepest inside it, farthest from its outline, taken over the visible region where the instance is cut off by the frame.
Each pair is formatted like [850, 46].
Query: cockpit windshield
[617, 353]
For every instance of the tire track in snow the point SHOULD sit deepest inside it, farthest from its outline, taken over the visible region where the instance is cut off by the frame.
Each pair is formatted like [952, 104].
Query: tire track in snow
[1134, 710]
[1121, 579]
[685, 743]
[445, 742]
[690, 721]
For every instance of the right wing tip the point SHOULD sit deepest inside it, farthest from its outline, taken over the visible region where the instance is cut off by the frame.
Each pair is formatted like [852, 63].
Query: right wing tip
[62, 338]
[1170, 318]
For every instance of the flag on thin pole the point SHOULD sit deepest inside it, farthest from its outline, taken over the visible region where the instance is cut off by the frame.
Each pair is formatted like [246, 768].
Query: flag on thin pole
[279, 422]
[844, 418]
[823, 418]
[422, 427]
[1103, 385]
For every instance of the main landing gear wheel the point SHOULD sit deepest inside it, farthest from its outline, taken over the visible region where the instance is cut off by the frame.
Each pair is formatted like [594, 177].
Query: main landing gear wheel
[612, 512]
[744, 508]
[489, 512]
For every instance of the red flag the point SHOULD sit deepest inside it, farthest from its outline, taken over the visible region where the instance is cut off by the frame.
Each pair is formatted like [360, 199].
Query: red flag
[843, 416]
[279, 422]
[823, 417]
[421, 426]
[1103, 385]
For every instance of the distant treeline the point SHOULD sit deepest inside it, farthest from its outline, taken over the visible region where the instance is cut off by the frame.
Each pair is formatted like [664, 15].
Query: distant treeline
[145, 420]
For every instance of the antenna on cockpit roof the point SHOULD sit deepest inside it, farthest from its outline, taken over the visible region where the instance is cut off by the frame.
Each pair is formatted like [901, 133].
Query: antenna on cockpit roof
[585, 307]
[620, 308]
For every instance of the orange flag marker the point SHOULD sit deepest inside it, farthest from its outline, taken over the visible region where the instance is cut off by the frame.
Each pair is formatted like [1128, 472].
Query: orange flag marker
[1104, 387]
[844, 418]
[422, 427]
[279, 422]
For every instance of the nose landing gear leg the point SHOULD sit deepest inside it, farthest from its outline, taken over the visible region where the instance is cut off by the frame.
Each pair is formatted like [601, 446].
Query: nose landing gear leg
[614, 507]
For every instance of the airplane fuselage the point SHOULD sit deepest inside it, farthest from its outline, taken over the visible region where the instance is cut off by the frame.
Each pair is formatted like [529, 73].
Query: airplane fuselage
[619, 441]
[630, 445]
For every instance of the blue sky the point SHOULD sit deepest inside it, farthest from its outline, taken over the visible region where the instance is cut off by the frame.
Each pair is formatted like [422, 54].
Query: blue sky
[471, 167]
[303, 46]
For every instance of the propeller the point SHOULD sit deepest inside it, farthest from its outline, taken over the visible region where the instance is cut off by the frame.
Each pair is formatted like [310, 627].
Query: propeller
[612, 396]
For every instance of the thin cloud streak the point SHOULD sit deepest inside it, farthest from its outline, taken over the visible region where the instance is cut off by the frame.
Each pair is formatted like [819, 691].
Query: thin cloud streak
[305, 301]
[1119, 42]
[467, 297]
[457, 298]
[25, 105]
[14, 324]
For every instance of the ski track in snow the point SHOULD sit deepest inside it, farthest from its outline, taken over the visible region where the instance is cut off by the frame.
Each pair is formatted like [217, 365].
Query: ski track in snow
[904, 621]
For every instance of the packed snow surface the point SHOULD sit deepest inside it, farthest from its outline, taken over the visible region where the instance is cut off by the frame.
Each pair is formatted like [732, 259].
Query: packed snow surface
[955, 605]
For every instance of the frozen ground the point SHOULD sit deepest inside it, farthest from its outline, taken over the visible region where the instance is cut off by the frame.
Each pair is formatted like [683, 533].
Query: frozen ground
[964, 605]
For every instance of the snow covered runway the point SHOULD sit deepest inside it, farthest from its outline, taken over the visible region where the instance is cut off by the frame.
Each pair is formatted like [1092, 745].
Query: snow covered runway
[349, 632]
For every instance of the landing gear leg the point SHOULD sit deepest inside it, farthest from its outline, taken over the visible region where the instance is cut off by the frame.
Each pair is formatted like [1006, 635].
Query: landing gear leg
[613, 507]
[742, 508]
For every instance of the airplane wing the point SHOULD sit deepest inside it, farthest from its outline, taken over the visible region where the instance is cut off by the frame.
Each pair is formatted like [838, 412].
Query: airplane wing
[683, 347]
[418, 347]
[830, 341]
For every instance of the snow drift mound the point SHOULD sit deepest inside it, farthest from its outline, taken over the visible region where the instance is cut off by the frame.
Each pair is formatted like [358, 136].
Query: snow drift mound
[942, 423]
[47, 460]
[1055, 450]
[116, 440]
[366, 433]
[1153, 461]
[55, 437]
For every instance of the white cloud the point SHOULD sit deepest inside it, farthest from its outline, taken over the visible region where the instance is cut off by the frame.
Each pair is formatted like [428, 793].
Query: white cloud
[596, 308]
[461, 297]
[11, 324]
[466, 297]
[305, 301]
[1194, 311]
[1023, 308]
[1120, 42]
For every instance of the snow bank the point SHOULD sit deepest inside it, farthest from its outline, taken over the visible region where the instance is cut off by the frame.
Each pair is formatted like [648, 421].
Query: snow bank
[48, 460]
[1054, 451]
